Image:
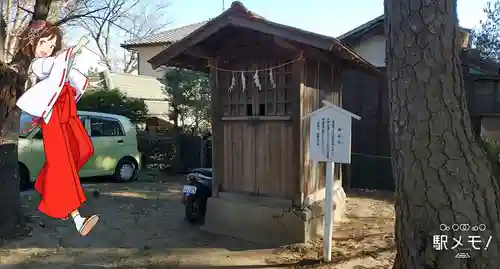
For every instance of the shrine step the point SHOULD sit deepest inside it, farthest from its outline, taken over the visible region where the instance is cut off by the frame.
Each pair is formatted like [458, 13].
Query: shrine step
[270, 221]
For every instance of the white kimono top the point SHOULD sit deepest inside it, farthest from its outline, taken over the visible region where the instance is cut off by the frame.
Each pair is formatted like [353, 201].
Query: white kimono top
[52, 72]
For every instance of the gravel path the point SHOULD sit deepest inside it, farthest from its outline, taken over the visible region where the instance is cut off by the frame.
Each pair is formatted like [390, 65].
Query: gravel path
[141, 226]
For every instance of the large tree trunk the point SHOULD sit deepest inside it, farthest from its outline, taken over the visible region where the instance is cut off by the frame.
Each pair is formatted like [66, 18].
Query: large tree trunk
[11, 87]
[11, 217]
[442, 175]
[41, 9]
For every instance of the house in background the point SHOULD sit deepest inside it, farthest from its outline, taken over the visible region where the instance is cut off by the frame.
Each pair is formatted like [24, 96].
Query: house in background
[368, 97]
[149, 46]
[361, 96]
[146, 88]
[149, 89]
[146, 48]
[368, 40]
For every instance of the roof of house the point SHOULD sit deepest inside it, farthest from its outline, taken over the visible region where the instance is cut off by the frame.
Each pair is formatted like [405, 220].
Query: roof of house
[168, 36]
[239, 16]
[173, 35]
[473, 59]
[176, 34]
[374, 26]
[362, 29]
[165, 37]
[136, 86]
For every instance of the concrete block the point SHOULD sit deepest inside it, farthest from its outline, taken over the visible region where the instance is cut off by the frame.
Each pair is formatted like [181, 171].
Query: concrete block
[270, 221]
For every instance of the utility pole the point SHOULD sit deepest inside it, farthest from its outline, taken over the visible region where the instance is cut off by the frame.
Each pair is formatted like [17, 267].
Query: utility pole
[223, 5]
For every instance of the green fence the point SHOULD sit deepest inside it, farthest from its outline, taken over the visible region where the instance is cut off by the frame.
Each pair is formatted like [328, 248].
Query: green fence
[176, 154]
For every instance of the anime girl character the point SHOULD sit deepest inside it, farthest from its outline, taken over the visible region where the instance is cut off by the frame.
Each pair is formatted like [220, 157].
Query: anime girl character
[54, 88]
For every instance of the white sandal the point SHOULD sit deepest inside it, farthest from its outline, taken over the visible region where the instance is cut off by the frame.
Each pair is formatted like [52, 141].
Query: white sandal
[88, 224]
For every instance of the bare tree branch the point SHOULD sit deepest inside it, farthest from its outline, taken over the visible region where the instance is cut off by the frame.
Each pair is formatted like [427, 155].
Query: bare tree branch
[24, 9]
[78, 16]
[122, 19]
[41, 9]
[107, 21]
[18, 23]
[100, 25]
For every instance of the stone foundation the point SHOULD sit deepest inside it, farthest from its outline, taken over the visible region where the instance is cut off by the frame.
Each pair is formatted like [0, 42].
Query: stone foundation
[269, 221]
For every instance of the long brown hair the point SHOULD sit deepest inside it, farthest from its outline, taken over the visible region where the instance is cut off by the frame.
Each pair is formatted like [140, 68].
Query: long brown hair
[28, 40]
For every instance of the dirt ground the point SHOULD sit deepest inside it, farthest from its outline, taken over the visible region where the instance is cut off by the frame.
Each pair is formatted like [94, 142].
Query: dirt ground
[142, 227]
[363, 240]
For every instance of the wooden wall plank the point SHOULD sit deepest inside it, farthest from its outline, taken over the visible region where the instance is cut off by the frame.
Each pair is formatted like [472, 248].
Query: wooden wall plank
[260, 156]
[217, 131]
[319, 83]
[227, 159]
[295, 172]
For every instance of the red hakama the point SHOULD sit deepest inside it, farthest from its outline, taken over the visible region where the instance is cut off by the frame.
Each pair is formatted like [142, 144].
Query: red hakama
[67, 148]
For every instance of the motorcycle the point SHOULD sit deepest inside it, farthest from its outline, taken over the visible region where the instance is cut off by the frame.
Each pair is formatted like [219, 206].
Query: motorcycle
[196, 193]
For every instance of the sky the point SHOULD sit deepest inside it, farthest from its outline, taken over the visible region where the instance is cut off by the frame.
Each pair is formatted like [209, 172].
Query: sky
[327, 17]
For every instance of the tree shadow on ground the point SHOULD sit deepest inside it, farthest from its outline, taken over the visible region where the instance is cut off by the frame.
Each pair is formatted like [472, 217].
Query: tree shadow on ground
[169, 266]
[131, 212]
[162, 259]
[308, 261]
[365, 236]
[139, 221]
[142, 226]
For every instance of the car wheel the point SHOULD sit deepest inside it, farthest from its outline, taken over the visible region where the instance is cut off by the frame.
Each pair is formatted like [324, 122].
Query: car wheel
[24, 178]
[125, 171]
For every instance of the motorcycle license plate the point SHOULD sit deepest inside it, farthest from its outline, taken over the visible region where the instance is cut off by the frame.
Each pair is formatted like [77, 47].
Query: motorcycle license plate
[187, 189]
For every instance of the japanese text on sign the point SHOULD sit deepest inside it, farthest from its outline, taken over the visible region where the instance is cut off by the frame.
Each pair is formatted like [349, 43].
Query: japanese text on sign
[325, 136]
[328, 139]
[330, 135]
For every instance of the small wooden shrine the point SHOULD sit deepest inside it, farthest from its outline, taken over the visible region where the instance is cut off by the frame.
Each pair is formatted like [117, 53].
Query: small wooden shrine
[265, 77]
